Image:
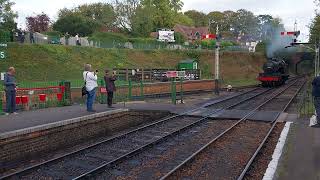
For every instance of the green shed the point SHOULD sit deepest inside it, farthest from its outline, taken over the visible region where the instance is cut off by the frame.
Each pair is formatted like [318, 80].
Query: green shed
[189, 64]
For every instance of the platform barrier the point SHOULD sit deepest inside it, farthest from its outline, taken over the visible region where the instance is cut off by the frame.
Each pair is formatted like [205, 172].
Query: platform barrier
[37, 98]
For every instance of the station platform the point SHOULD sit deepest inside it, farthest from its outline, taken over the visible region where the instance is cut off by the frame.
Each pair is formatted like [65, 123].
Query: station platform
[301, 154]
[27, 119]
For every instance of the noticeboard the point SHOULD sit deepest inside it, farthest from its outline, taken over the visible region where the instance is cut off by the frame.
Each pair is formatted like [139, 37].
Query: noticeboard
[3, 50]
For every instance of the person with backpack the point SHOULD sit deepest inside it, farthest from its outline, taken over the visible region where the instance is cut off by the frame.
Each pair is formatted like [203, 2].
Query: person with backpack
[90, 79]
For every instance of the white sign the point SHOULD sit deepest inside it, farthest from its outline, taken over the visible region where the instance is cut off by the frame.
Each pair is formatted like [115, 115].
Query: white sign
[2, 76]
[166, 36]
[2, 55]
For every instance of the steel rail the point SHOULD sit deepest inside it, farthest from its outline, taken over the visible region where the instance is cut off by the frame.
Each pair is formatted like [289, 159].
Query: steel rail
[25, 170]
[129, 154]
[274, 122]
[223, 133]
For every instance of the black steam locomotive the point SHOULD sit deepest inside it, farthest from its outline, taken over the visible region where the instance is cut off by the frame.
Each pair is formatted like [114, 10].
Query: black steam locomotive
[275, 73]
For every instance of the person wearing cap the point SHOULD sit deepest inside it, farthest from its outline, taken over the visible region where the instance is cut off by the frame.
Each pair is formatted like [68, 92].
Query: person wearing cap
[10, 89]
[110, 86]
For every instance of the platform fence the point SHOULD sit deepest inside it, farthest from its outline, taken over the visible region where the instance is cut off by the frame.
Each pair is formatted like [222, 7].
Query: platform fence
[306, 101]
[39, 95]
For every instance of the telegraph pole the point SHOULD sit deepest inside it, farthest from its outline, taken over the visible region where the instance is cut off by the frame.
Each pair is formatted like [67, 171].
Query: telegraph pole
[217, 63]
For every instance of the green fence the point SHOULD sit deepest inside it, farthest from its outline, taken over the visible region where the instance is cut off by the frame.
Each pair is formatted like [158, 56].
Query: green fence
[46, 94]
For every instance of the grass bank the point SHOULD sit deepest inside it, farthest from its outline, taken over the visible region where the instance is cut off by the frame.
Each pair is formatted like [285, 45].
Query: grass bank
[36, 62]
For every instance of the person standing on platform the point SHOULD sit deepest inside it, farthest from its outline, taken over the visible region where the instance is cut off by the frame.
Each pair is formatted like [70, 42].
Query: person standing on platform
[110, 86]
[10, 89]
[90, 79]
[316, 96]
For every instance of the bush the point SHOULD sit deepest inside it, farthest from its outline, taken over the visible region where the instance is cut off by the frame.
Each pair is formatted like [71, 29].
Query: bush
[180, 39]
[210, 44]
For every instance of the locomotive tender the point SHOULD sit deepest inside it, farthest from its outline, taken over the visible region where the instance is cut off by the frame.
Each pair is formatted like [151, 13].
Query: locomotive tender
[274, 73]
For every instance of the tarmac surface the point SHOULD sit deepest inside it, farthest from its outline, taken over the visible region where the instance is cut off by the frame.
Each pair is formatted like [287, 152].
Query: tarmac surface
[27, 119]
[301, 156]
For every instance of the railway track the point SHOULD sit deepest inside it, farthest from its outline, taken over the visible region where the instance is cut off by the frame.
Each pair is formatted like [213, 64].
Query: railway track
[225, 156]
[87, 162]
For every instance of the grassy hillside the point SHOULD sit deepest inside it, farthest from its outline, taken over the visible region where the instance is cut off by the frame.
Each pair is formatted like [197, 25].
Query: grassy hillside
[56, 62]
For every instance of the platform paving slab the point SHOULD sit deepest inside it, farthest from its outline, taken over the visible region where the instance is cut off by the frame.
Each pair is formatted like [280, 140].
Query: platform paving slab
[301, 156]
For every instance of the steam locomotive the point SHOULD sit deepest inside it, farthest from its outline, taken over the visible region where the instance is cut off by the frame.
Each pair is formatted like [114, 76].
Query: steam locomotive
[274, 73]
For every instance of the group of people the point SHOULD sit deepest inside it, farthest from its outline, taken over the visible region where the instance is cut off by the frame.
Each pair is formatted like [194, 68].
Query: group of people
[90, 78]
[19, 36]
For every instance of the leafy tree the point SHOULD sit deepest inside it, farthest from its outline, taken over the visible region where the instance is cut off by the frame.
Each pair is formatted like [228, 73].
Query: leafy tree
[85, 19]
[216, 18]
[38, 23]
[103, 13]
[74, 24]
[315, 30]
[126, 11]
[142, 25]
[183, 20]
[246, 25]
[199, 18]
[7, 15]
[180, 39]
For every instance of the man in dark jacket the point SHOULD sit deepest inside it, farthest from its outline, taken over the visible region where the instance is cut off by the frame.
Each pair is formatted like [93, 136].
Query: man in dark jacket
[316, 95]
[10, 89]
[110, 86]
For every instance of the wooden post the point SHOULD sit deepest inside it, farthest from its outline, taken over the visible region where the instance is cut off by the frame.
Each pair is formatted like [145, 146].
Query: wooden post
[142, 75]
[127, 75]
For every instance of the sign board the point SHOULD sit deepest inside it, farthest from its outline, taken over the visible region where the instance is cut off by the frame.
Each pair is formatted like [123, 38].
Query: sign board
[166, 36]
[3, 48]
[172, 74]
[175, 74]
[181, 74]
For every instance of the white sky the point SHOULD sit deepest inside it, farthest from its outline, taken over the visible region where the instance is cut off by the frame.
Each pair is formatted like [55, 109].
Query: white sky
[288, 10]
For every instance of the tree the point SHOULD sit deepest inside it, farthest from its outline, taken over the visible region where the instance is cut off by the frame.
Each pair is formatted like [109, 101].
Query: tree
[7, 15]
[183, 20]
[126, 11]
[85, 19]
[103, 13]
[38, 23]
[76, 23]
[199, 18]
[315, 30]
[246, 25]
[141, 24]
[216, 18]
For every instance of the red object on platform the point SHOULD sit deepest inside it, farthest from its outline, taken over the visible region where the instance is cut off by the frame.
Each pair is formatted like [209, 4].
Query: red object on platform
[59, 96]
[18, 99]
[103, 90]
[42, 97]
[24, 99]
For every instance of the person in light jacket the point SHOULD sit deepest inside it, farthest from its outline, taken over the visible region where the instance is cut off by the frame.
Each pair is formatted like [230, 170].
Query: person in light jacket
[10, 89]
[90, 79]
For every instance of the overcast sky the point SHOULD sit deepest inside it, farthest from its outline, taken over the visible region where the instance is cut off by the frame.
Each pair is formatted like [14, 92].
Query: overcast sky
[287, 10]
